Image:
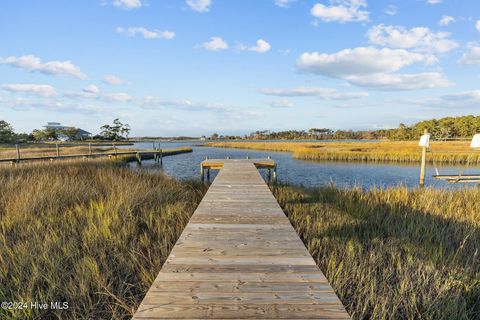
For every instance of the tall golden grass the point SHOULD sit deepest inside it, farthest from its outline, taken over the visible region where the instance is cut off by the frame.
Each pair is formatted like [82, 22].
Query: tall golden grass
[454, 152]
[394, 253]
[50, 150]
[93, 234]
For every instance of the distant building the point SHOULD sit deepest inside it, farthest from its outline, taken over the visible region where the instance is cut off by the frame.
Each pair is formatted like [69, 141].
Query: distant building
[81, 134]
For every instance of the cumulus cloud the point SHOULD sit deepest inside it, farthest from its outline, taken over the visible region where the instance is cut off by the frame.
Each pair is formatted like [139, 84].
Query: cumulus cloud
[477, 25]
[421, 39]
[446, 20]
[320, 92]
[283, 103]
[43, 90]
[34, 64]
[200, 5]
[434, 1]
[341, 11]
[127, 4]
[283, 3]
[261, 46]
[472, 56]
[112, 80]
[145, 33]
[360, 61]
[373, 68]
[215, 44]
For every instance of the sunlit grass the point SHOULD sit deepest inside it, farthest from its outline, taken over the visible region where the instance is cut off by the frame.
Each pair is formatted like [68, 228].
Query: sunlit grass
[394, 253]
[93, 234]
[450, 152]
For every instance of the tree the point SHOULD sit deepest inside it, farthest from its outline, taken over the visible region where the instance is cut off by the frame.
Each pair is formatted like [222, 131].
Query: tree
[117, 131]
[47, 134]
[70, 132]
[6, 132]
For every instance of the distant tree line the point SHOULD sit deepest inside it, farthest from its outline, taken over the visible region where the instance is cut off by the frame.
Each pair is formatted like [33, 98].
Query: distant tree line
[114, 132]
[444, 128]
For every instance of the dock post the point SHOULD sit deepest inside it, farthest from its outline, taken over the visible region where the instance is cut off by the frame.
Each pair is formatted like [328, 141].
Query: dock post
[248, 157]
[139, 158]
[115, 149]
[18, 153]
[202, 173]
[58, 150]
[269, 175]
[228, 157]
[208, 175]
[275, 174]
[90, 149]
[423, 164]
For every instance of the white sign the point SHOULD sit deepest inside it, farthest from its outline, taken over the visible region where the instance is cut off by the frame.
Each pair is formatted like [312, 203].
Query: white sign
[475, 141]
[425, 141]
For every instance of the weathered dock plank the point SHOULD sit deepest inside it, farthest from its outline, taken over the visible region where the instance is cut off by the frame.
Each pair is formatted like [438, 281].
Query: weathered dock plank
[240, 258]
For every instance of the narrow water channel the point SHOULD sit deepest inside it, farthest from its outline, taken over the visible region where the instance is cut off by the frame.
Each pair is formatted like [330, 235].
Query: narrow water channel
[307, 173]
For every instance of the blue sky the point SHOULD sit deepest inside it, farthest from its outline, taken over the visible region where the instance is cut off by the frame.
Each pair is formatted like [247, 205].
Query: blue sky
[194, 67]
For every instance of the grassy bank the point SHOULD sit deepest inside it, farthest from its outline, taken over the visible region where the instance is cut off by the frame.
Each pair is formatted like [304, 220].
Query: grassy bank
[49, 150]
[394, 254]
[452, 152]
[93, 234]
[10, 153]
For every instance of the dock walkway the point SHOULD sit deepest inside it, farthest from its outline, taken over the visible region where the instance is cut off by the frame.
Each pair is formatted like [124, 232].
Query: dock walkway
[240, 258]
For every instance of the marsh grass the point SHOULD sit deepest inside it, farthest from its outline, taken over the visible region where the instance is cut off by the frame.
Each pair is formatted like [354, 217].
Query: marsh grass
[452, 152]
[50, 150]
[93, 234]
[393, 253]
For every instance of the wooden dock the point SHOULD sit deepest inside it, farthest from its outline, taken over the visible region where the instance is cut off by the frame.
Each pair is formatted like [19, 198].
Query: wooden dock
[240, 258]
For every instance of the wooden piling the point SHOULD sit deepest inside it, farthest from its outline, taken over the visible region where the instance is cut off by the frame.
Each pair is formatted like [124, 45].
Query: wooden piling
[58, 150]
[18, 153]
[423, 163]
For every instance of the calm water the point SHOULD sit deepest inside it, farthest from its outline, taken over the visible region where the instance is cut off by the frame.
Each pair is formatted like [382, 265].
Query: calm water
[308, 173]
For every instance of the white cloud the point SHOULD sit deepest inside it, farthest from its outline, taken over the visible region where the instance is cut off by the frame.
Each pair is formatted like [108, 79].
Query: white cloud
[32, 63]
[112, 80]
[341, 11]
[477, 25]
[434, 1]
[215, 44]
[388, 81]
[127, 4]
[147, 34]
[93, 92]
[43, 90]
[284, 103]
[199, 5]
[466, 99]
[261, 46]
[373, 68]
[51, 104]
[360, 61]
[472, 56]
[421, 39]
[391, 10]
[283, 3]
[320, 92]
[446, 20]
